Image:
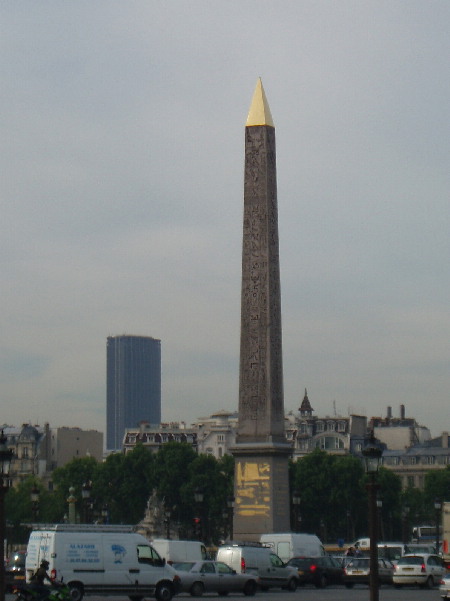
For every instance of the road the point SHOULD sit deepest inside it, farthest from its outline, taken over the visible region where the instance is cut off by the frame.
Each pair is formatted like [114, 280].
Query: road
[307, 593]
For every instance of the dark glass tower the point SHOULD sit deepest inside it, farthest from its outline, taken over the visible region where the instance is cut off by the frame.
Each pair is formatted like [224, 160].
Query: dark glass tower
[133, 385]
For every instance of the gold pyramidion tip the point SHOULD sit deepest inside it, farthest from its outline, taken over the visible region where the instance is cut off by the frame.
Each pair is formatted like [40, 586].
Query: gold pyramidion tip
[259, 113]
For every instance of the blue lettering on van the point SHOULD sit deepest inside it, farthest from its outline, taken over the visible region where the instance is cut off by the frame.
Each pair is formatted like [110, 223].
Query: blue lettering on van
[119, 553]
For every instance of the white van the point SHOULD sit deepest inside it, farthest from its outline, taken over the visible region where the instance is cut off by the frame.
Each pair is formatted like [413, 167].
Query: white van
[291, 544]
[101, 560]
[261, 561]
[180, 550]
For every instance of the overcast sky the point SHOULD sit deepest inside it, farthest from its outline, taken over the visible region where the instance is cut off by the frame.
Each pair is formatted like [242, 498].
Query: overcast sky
[122, 192]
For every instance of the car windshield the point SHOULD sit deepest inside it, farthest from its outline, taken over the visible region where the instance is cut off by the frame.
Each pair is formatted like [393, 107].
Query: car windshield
[416, 560]
[359, 563]
[300, 562]
[17, 560]
[184, 566]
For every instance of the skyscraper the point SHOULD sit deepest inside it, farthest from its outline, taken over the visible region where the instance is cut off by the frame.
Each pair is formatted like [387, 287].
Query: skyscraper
[133, 385]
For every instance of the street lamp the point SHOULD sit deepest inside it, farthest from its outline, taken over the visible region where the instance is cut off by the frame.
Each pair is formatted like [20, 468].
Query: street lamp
[296, 505]
[167, 514]
[372, 456]
[230, 505]
[437, 507]
[6, 456]
[380, 517]
[34, 495]
[405, 514]
[105, 514]
[86, 496]
[71, 500]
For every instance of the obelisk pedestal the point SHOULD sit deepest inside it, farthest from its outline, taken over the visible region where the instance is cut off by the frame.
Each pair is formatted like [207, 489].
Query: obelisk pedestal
[261, 451]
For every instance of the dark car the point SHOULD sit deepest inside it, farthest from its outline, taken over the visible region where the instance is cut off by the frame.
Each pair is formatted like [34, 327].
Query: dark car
[319, 571]
[15, 570]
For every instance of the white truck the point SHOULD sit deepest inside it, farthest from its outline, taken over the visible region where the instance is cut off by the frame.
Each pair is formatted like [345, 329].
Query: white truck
[101, 560]
[292, 544]
[446, 533]
[179, 550]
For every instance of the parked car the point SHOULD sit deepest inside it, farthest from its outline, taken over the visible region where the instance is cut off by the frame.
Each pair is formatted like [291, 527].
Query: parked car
[358, 571]
[15, 570]
[319, 571]
[444, 587]
[424, 570]
[198, 577]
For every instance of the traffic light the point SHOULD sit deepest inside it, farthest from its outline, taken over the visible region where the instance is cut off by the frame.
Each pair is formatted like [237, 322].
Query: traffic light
[198, 527]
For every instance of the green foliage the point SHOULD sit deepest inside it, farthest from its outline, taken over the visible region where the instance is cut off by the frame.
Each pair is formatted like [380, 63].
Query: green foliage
[436, 486]
[333, 499]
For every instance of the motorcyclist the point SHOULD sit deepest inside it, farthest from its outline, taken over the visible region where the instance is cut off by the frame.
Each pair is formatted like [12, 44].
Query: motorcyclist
[38, 579]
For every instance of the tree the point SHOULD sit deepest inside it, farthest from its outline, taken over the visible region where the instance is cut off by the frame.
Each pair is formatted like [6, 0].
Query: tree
[330, 487]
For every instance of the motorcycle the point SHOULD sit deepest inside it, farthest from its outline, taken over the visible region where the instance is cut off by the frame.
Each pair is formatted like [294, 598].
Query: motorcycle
[57, 591]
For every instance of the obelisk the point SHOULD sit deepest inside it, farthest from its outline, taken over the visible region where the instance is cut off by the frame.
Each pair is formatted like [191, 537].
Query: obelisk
[261, 452]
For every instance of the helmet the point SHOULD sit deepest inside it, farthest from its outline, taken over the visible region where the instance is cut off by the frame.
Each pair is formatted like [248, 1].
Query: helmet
[44, 564]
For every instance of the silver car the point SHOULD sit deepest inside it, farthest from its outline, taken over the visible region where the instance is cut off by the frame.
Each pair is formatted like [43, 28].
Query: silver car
[198, 577]
[444, 587]
[424, 570]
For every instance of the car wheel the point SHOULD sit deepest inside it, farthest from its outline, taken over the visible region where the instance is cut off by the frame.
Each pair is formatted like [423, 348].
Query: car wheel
[349, 584]
[76, 592]
[292, 585]
[197, 589]
[135, 598]
[163, 592]
[430, 582]
[250, 588]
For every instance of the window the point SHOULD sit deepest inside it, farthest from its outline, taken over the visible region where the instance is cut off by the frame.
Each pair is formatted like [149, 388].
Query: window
[329, 443]
[411, 482]
[413, 460]
[341, 426]
[146, 554]
[430, 459]
[303, 428]
[331, 426]
[319, 427]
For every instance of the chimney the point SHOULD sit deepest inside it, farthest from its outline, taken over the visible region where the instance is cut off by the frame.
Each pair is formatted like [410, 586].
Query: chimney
[389, 412]
[402, 411]
[445, 440]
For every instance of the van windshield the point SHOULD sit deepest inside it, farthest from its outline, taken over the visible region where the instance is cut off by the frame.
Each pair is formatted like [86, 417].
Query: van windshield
[147, 554]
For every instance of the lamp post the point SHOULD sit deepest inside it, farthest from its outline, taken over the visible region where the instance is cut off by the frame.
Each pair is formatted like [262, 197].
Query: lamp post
[405, 514]
[6, 456]
[198, 497]
[379, 518]
[296, 506]
[86, 496]
[71, 500]
[230, 505]
[372, 456]
[167, 514]
[437, 507]
[105, 514]
[34, 495]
